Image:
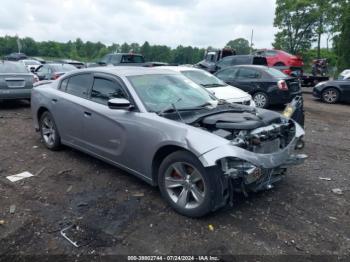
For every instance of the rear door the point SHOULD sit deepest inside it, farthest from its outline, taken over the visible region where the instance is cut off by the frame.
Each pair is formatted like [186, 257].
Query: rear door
[248, 79]
[69, 107]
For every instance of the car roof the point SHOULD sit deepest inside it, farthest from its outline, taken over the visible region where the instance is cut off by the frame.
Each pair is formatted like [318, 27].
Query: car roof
[181, 68]
[126, 70]
[261, 67]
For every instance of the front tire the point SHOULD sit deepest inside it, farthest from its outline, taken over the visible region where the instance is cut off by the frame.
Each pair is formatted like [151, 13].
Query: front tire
[261, 100]
[330, 95]
[186, 185]
[49, 132]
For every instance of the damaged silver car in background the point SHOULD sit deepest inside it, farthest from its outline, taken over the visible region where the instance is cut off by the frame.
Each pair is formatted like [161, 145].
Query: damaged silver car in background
[170, 132]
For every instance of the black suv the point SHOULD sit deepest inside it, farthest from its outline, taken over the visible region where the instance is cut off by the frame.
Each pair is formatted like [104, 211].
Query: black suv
[240, 60]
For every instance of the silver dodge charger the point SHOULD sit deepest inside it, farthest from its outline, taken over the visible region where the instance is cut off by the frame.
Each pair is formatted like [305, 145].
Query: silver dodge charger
[162, 127]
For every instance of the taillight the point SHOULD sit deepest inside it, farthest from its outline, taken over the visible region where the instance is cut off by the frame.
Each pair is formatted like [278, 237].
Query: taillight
[282, 85]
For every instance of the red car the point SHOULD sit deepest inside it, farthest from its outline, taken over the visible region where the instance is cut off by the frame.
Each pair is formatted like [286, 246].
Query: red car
[281, 59]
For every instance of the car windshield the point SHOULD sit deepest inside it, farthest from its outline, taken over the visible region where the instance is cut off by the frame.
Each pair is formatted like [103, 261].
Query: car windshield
[63, 68]
[203, 78]
[159, 92]
[31, 62]
[12, 67]
[275, 73]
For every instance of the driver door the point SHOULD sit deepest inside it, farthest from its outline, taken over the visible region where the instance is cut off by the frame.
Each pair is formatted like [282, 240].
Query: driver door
[105, 130]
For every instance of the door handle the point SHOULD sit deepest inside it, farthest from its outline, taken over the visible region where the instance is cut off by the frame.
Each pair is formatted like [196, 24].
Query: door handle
[87, 114]
[54, 100]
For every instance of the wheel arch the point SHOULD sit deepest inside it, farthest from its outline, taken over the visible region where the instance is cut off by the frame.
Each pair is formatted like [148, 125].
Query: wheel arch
[332, 86]
[160, 155]
[41, 110]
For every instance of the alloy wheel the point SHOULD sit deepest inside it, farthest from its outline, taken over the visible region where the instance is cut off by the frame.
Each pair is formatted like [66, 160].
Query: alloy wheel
[48, 130]
[260, 100]
[330, 96]
[185, 185]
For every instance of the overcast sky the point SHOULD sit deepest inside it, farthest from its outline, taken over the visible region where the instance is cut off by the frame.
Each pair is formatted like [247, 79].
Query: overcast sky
[199, 23]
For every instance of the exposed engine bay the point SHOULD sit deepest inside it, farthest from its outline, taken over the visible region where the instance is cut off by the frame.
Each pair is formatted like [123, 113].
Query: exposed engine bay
[263, 132]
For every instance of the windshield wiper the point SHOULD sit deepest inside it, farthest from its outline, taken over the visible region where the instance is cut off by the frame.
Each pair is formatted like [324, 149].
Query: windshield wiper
[212, 85]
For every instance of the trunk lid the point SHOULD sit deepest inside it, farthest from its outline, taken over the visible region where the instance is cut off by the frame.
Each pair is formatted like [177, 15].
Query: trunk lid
[16, 80]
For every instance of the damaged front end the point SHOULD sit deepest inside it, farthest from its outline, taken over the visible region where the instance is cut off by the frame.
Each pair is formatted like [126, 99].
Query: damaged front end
[261, 146]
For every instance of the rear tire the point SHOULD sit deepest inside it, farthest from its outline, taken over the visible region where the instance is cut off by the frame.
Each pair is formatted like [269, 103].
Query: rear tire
[261, 100]
[187, 186]
[330, 95]
[49, 132]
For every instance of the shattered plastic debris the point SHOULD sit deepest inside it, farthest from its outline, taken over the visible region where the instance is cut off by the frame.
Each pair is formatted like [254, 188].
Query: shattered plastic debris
[19, 176]
[337, 191]
[12, 209]
[326, 178]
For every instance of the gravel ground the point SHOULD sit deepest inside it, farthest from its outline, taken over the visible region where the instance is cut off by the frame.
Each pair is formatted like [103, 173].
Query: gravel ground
[118, 214]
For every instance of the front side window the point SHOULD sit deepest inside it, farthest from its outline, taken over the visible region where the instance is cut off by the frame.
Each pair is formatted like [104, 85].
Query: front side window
[226, 61]
[43, 70]
[104, 89]
[227, 74]
[203, 78]
[79, 85]
[158, 92]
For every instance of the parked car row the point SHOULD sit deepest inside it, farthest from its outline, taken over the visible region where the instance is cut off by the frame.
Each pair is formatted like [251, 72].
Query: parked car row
[197, 149]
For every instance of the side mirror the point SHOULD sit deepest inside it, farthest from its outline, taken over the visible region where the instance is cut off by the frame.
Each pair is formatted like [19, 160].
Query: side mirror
[119, 103]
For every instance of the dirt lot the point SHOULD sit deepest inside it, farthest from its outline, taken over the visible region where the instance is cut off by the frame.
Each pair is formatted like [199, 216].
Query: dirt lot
[119, 214]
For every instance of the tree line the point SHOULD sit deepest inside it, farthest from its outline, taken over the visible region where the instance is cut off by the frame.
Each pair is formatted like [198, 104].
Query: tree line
[89, 51]
[302, 23]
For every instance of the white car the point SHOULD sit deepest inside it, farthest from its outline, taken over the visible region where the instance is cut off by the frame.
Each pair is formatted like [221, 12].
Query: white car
[344, 75]
[31, 64]
[219, 88]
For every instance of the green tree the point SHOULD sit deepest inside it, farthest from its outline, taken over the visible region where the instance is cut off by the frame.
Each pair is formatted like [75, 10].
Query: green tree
[343, 41]
[241, 46]
[296, 21]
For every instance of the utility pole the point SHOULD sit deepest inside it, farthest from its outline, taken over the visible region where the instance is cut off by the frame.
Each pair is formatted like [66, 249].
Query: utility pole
[251, 42]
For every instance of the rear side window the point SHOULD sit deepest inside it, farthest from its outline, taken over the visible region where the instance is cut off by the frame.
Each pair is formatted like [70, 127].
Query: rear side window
[105, 89]
[248, 73]
[271, 53]
[79, 85]
[64, 83]
[132, 59]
